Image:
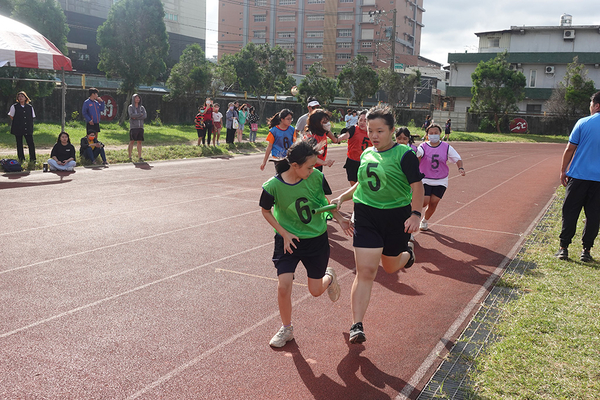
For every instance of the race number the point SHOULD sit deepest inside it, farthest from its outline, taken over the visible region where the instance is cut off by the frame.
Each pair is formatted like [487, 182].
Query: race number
[376, 184]
[303, 210]
[435, 163]
[364, 144]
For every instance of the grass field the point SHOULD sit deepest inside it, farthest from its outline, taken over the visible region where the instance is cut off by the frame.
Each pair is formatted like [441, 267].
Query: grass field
[548, 343]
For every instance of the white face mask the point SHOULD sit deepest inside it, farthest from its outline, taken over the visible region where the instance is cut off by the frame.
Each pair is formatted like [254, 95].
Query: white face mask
[434, 138]
[231, 108]
[327, 126]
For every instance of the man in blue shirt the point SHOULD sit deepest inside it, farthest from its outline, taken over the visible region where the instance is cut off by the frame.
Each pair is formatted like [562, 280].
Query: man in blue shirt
[580, 173]
[91, 110]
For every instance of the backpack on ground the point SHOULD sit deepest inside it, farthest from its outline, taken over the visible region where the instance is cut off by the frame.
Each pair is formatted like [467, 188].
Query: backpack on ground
[11, 165]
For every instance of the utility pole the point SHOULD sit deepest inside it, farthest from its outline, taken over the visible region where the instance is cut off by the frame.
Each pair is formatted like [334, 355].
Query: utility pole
[393, 39]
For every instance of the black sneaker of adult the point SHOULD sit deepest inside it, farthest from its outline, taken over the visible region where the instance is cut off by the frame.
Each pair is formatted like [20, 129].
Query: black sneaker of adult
[586, 256]
[357, 334]
[562, 254]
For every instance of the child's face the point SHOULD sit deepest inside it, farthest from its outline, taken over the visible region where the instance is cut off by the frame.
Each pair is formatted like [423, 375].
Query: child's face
[216, 108]
[380, 134]
[401, 139]
[287, 121]
[304, 170]
[362, 122]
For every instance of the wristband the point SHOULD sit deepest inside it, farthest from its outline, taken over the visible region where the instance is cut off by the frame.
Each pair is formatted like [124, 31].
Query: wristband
[417, 213]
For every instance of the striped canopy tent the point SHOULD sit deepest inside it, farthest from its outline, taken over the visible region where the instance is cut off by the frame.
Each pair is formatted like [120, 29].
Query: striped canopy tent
[21, 46]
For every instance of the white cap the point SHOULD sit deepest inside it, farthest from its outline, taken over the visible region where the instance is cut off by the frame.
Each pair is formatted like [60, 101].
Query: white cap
[313, 103]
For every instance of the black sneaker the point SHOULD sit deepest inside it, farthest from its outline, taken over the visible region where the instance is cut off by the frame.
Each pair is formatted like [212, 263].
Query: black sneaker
[357, 335]
[586, 256]
[411, 251]
[562, 254]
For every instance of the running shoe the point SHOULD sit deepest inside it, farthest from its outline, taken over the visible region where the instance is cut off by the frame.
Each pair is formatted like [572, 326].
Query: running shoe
[562, 254]
[282, 337]
[357, 334]
[411, 251]
[423, 226]
[334, 288]
[586, 256]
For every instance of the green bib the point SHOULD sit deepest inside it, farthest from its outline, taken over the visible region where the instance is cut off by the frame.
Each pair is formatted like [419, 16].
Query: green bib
[294, 204]
[381, 181]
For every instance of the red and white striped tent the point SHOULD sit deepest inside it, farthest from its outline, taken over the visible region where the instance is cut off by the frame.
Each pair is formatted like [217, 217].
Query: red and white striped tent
[21, 46]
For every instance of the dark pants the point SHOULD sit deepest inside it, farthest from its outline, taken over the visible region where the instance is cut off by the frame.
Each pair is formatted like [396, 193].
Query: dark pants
[230, 135]
[91, 154]
[92, 128]
[581, 194]
[204, 134]
[20, 153]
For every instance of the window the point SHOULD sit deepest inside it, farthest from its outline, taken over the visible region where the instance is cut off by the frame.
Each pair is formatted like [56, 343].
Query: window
[315, 17]
[287, 46]
[346, 16]
[344, 45]
[287, 18]
[366, 45]
[345, 32]
[286, 2]
[260, 18]
[283, 35]
[260, 34]
[316, 1]
[494, 42]
[369, 56]
[314, 45]
[532, 77]
[343, 56]
[368, 18]
[368, 2]
[339, 67]
[314, 56]
[171, 17]
[259, 3]
[534, 108]
[367, 34]
[313, 34]
[346, 1]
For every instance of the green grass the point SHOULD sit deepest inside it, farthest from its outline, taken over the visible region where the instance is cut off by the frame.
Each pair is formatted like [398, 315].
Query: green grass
[549, 339]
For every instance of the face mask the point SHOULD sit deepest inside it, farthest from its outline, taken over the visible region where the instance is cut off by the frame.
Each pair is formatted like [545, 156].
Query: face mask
[327, 126]
[231, 108]
[434, 138]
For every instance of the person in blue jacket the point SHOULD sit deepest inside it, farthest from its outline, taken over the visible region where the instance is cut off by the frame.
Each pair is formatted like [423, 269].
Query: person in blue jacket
[91, 110]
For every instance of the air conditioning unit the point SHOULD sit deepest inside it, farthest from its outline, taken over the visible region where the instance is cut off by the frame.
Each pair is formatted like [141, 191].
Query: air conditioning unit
[569, 34]
[512, 67]
[550, 69]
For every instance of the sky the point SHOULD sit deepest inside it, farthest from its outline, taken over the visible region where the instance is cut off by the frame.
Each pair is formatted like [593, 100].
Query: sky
[450, 25]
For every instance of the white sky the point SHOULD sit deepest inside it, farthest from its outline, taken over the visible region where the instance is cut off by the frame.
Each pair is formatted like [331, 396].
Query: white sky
[450, 25]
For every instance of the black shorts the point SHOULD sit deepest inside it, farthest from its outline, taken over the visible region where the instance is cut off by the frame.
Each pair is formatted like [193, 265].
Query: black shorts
[374, 228]
[314, 254]
[92, 128]
[437, 191]
[136, 134]
[352, 169]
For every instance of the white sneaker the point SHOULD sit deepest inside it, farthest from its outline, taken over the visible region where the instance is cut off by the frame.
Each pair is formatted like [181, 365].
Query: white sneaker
[282, 337]
[334, 288]
[423, 225]
[412, 238]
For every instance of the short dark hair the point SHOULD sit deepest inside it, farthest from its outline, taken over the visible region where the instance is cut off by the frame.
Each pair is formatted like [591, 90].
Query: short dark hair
[92, 90]
[438, 126]
[596, 98]
[298, 153]
[383, 112]
[313, 124]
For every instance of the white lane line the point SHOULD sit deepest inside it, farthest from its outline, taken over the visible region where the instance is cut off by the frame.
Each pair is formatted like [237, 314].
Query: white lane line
[477, 229]
[254, 276]
[433, 356]
[177, 371]
[129, 241]
[135, 289]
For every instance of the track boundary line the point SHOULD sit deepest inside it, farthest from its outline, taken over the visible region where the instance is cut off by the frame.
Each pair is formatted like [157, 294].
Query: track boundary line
[254, 276]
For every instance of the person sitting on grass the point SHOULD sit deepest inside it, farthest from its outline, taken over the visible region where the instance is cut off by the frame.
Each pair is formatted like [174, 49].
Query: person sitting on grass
[91, 148]
[63, 154]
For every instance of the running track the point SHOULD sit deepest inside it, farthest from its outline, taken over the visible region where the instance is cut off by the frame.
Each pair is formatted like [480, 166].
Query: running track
[155, 282]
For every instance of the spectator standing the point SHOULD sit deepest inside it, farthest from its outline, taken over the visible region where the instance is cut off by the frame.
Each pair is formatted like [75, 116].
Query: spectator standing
[230, 116]
[580, 173]
[253, 121]
[313, 104]
[242, 115]
[91, 111]
[137, 115]
[217, 124]
[22, 114]
[62, 157]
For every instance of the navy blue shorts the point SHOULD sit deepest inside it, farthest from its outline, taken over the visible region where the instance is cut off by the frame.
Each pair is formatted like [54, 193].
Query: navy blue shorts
[313, 252]
[374, 228]
[437, 191]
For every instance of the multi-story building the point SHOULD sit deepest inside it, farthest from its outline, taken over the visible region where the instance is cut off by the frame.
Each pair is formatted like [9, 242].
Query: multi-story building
[541, 53]
[184, 19]
[329, 31]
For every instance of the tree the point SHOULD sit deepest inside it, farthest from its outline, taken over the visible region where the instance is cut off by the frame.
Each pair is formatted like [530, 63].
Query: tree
[398, 86]
[46, 17]
[496, 89]
[133, 44]
[191, 76]
[317, 84]
[358, 80]
[6, 7]
[260, 70]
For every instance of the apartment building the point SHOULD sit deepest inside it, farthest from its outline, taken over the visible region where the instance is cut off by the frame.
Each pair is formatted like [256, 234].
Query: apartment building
[184, 19]
[329, 31]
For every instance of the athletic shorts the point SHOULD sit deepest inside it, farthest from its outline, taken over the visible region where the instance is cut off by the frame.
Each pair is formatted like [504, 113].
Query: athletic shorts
[92, 128]
[136, 134]
[375, 227]
[352, 169]
[313, 252]
[437, 191]
[326, 187]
